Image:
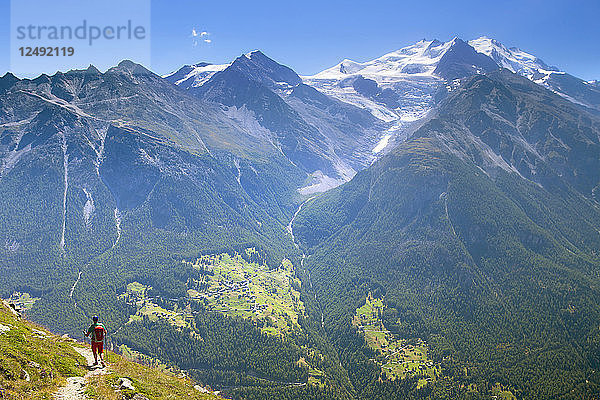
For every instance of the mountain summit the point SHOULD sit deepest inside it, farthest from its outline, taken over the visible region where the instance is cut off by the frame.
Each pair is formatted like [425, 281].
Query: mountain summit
[403, 86]
[520, 62]
[329, 139]
[425, 58]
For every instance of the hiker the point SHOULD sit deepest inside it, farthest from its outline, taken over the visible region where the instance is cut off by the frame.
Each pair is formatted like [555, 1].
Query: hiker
[97, 332]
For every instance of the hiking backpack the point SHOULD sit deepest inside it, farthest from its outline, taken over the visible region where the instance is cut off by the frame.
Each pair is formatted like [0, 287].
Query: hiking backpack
[98, 333]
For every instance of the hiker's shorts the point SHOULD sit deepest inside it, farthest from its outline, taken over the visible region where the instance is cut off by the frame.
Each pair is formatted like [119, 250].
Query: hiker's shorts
[98, 347]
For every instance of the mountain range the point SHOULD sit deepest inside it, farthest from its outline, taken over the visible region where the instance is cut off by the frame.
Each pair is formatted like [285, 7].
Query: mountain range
[455, 182]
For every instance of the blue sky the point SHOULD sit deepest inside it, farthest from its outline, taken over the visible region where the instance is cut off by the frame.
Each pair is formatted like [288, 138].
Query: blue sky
[310, 36]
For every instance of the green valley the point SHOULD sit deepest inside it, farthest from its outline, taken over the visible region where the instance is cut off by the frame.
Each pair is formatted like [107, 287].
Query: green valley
[422, 226]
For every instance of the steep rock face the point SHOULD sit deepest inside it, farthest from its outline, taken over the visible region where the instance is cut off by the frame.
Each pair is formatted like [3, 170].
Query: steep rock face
[518, 126]
[575, 90]
[323, 136]
[370, 89]
[301, 142]
[260, 68]
[461, 60]
[131, 167]
[56, 210]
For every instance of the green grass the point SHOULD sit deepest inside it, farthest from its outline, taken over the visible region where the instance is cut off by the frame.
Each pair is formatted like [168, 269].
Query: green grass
[140, 358]
[233, 287]
[397, 357]
[316, 377]
[154, 312]
[152, 382]
[137, 288]
[502, 393]
[137, 295]
[47, 359]
[238, 288]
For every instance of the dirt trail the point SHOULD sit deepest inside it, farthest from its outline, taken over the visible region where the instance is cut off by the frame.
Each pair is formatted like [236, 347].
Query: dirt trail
[75, 387]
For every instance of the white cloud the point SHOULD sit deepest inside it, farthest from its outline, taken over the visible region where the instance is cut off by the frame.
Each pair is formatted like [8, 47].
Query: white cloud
[200, 35]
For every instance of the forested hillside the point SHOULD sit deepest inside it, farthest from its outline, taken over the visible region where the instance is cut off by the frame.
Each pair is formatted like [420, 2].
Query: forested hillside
[481, 235]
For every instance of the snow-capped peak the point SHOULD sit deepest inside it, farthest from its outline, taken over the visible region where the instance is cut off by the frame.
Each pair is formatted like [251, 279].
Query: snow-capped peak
[418, 59]
[194, 75]
[514, 59]
[403, 84]
[518, 61]
[252, 53]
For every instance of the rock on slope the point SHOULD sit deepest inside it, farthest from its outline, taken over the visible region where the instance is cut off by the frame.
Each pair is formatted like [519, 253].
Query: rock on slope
[36, 363]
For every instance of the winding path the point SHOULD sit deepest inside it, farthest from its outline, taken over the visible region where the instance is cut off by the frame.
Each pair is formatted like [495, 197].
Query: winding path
[76, 385]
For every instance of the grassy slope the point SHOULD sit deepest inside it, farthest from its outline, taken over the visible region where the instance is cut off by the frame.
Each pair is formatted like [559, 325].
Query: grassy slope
[272, 289]
[148, 381]
[50, 359]
[397, 357]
